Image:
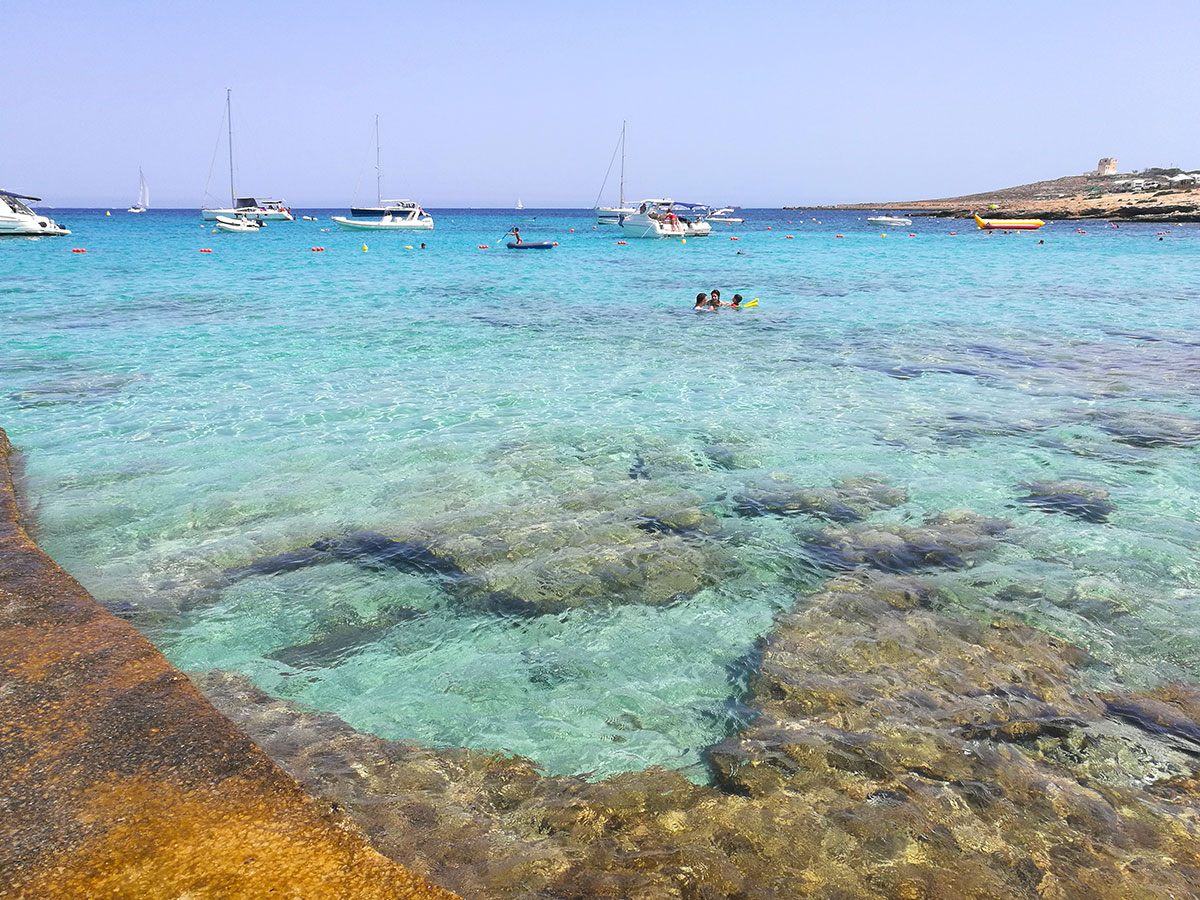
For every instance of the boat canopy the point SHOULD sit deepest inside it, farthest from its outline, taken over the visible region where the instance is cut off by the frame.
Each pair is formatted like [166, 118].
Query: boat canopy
[20, 196]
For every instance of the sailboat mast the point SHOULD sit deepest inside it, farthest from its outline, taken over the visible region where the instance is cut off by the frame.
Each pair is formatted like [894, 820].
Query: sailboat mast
[621, 204]
[229, 118]
[378, 174]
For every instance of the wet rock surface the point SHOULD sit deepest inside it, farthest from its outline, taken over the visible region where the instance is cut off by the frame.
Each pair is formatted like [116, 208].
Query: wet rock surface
[1078, 499]
[899, 751]
[849, 500]
[119, 780]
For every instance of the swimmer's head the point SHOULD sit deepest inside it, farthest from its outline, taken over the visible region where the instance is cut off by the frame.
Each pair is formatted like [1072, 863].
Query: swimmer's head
[701, 298]
[715, 294]
[737, 299]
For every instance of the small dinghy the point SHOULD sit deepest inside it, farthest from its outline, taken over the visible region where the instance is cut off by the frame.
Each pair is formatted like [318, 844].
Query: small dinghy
[240, 224]
[531, 245]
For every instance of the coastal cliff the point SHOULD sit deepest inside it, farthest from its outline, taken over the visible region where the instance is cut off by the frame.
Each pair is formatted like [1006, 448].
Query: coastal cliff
[119, 780]
[1071, 197]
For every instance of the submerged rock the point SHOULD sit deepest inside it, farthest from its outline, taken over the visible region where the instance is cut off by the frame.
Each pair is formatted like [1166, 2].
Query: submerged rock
[1143, 428]
[946, 540]
[637, 543]
[1077, 499]
[893, 751]
[848, 500]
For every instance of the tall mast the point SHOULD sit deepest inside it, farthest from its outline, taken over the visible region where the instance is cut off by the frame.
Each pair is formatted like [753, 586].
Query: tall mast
[378, 174]
[621, 204]
[229, 118]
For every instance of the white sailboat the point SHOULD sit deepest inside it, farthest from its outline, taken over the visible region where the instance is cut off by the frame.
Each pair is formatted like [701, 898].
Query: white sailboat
[244, 207]
[519, 205]
[386, 215]
[143, 198]
[611, 215]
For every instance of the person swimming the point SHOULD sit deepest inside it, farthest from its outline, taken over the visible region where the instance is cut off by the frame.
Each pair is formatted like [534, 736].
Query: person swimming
[737, 301]
[701, 300]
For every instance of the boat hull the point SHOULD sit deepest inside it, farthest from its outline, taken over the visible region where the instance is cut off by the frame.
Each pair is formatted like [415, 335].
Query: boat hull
[530, 245]
[611, 215]
[888, 220]
[25, 226]
[422, 224]
[1009, 224]
[642, 226]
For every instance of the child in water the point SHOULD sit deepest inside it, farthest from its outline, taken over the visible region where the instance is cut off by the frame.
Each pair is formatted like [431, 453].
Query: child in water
[737, 301]
[701, 300]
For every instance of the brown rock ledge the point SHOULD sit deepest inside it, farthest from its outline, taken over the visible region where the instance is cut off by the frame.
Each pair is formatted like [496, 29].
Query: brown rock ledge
[119, 780]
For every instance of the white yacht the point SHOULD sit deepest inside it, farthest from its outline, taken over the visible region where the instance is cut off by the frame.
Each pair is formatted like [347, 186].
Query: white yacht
[143, 200]
[611, 215]
[245, 207]
[385, 215]
[725, 216]
[18, 219]
[252, 208]
[666, 218]
[894, 221]
[392, 215]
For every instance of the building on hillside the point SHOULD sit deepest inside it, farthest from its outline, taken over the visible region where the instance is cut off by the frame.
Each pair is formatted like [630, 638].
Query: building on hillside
[1107, 166]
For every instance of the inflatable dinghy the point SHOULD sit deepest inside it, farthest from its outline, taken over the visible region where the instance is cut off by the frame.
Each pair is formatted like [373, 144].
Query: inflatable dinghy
[531, 245]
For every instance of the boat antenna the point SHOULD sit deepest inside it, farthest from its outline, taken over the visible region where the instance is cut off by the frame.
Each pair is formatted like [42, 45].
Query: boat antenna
[229, 117]
[621, 200]
[378, 174]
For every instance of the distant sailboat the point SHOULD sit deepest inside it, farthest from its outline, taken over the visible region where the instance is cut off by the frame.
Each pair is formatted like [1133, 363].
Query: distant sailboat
[519, 205]
[143, 200]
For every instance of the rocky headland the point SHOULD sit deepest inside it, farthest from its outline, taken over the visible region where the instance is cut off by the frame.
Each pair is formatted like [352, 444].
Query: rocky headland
[1071, 197]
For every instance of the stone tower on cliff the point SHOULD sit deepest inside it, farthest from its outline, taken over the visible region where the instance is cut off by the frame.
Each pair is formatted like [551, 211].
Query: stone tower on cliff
[1107, 166]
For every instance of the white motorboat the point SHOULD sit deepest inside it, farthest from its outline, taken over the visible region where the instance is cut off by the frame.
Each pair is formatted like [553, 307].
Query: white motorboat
[398, 215]
[894, 221]
[18, 219]
[611, 215]
[244, 207]
[238, 224]
[385, 215]
[143, 200]
[666, 218]
[725, 216]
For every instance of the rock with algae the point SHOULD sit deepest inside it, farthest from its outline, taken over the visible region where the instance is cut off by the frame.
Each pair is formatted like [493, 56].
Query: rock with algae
[1078, 499]
[636, 542]
[899, 753]
[848, 500]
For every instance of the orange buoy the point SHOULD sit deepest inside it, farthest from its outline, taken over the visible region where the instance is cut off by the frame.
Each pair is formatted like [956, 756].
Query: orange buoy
[483, 246]
[733, 239]
[556, 243]
[768, 228]
[572, 229]
[953, 233]
[839, 235]
[78, 250]
[789, 237]
[911, 234]
[205, 250]
[620, 242]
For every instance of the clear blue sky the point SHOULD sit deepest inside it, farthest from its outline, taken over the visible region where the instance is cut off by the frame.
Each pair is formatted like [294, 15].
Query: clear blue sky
[759, 104]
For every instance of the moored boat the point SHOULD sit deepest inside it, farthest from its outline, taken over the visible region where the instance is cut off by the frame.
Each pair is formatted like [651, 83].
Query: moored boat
[894, 221]
[18, 219]
[659, 218]
[244, 207]
[725, 216]
[1009, 224]
[236, 224]
[385, 215]
[611, 215]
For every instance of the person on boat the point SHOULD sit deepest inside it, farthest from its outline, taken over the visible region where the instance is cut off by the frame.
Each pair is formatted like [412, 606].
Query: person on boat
[701, 300]
[516, 233]
[642, 208]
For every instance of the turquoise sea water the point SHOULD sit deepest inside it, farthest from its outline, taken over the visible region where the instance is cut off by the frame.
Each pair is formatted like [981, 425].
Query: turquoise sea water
[182, 414]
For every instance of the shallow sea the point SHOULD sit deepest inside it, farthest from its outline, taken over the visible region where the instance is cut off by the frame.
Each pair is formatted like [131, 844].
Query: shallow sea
[183, 414]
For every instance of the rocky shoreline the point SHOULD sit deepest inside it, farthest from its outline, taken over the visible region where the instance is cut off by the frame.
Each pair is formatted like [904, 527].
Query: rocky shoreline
[1073, 197]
